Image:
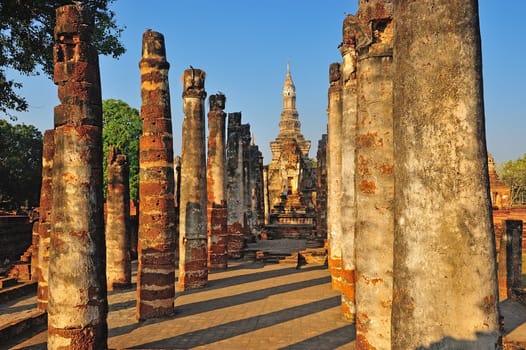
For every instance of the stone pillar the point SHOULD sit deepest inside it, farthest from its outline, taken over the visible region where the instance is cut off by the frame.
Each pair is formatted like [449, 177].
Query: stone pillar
[321, 189]
[347, 75]
[77, 307]
[216, 185]
[193, 256]
[247, 169]
[368, 114]
[255, 190]
[156, 243]
[334, 171]
[177, 196]
[509, 262]
[118, 262]
[266, 208]
[234, 171]
[44, 219]
[444, 266]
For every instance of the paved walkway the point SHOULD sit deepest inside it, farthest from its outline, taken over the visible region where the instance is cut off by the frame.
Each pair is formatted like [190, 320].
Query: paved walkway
[248, 306]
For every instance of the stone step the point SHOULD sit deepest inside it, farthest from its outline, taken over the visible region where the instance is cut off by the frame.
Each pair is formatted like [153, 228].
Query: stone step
[6, 282]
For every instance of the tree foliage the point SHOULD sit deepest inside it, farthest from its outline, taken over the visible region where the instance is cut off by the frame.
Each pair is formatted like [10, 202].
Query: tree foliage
[122, 127]
[513, 174]
[26, 41]
[20, 165]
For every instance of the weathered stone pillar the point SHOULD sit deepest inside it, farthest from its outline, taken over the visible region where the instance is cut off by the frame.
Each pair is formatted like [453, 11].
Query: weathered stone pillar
[77, 307]
[266, 208]
[510, 259]
[321, 189]
[44, 219]
[118, 262]
[156, 243]
[368, 113]
[334, 172]
[255, 189]
[193, 256]
[234, 169]
[445, 290]
[216, 185]
[349, 83]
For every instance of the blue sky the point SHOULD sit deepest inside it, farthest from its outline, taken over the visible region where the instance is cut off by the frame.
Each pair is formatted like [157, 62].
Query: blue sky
[244, 47]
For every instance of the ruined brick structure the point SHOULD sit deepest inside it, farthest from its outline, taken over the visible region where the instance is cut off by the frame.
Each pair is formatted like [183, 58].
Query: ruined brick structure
[444, 266]
[500, 193]
[235, 196]
[44, 218]
[156, 241]
[217, 218]
[193, 256]
[291, 177]
[321, 188]
[77, 306]
[118, 262]
[255, 219]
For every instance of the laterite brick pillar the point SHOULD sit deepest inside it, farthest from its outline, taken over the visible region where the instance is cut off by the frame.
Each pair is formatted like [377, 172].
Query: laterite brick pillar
[193, 256]
[234, 171]
[216, 185]
[77, 307]
[445, 287]
[118, 262]
[44, 219]
[334, 173]
[156, 243]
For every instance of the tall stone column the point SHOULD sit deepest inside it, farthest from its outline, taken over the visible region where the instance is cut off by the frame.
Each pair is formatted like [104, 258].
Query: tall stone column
[266, 208]
[216, 185]
[444, 266]
[156, 243]
[44, 219]
[234, 171]
[77, 307]
[321, 189]
[368, 53]
[349, 209]
[193, 256]
[334, 172]
[118, 262]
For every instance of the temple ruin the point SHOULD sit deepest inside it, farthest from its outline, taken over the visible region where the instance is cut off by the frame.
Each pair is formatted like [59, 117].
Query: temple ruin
[291, 174]
[421, 241]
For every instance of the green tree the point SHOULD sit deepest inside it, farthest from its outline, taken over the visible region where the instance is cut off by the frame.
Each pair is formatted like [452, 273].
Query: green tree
[513, 174]
[20, 165]
[26, 41]
[122, 127]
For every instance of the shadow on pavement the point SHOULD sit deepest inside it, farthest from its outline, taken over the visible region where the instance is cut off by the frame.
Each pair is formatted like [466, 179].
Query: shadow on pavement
[231, 329]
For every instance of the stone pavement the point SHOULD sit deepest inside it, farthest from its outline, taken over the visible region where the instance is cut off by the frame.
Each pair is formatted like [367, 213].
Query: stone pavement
[247, 306]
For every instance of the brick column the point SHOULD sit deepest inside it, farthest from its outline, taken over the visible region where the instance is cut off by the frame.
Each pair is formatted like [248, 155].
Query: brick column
[321, 189]
[193, 256]
[216, 185]
[118, 263]
[334, 171]
[234, 171]
[444, 266]
[44, 219]
[77, 307]
[156, 243]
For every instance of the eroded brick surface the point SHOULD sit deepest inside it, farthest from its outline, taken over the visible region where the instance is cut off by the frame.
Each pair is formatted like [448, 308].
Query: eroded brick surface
[156, 235]
[77, 269]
